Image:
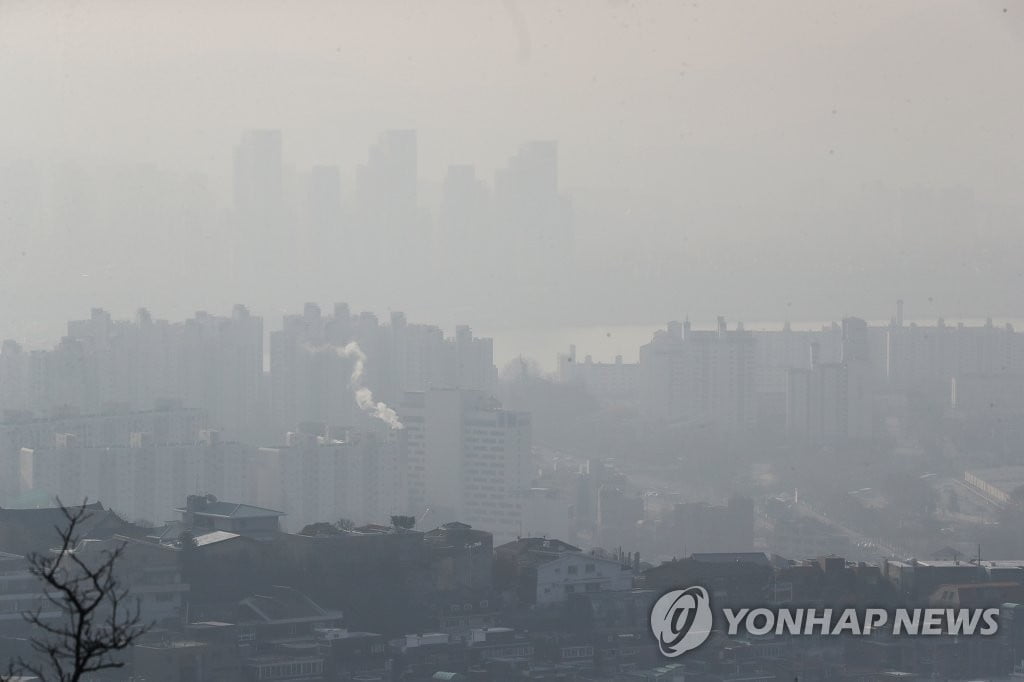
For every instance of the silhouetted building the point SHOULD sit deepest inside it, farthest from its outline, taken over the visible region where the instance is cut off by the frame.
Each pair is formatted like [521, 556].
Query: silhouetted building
[206, 513]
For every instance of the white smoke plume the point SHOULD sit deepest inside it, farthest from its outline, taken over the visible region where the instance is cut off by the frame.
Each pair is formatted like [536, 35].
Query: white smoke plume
[363, 395]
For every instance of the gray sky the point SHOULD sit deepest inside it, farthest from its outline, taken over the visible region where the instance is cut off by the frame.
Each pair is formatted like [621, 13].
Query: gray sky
[898, 91]
[710, 128]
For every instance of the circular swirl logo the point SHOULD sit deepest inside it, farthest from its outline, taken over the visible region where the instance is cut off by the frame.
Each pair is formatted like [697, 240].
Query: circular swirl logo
[681, 620]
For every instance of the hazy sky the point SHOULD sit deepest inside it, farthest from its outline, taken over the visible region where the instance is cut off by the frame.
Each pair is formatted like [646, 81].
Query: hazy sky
[636, 91]
[689, 121]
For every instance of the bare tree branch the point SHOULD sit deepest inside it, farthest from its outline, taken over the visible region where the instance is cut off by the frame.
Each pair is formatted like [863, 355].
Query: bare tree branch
[99, 619]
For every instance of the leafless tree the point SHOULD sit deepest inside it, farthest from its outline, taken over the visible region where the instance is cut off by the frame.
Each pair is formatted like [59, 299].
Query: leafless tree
[99, 617]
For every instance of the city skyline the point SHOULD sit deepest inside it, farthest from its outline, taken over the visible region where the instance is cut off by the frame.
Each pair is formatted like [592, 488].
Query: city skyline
[495, 340]
[698, 147]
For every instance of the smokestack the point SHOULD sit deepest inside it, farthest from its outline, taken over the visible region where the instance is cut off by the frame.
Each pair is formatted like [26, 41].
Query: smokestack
[899, 313]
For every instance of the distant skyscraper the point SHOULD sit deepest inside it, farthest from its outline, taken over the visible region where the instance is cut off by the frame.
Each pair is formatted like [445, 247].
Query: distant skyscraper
[258, 178]
[532, 173]
[533, 222]
[391, 171]
[386, 232]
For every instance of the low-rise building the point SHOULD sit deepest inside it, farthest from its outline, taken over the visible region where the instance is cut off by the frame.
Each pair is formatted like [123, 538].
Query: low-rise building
[203, 514]
[545, 572]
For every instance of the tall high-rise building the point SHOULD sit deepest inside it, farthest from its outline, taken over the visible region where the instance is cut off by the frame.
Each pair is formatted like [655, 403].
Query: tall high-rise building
[311, 372]
[391, 170]
[533, 219]
[218, 365]
[388, 230]
[260, 233]
[319, 476]
[469, 459]
[833, 402]
[474, 361]
[142, 480]
[924, 359]
[259, 181]
[699, 377]
[106, 366]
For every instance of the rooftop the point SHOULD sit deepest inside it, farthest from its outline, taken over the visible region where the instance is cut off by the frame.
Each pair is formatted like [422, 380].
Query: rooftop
[231, 510]
[214, 537]
[284, 604]
[538, 545]
[760, 558]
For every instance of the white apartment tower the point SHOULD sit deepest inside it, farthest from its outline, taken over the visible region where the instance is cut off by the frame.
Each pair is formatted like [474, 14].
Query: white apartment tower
[358, 475]
[469, 459]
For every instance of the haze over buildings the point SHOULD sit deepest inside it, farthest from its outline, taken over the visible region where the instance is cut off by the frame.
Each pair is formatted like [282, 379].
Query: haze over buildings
[406, 341]
[595, 149]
